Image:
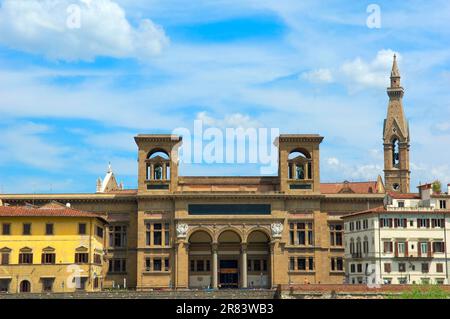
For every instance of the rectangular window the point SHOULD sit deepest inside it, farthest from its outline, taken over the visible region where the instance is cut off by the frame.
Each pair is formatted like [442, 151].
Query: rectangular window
[49, 229]
[157, 236]
[440, 267]
[192, 265]
[26, 229]
[387, 267]
[148, 264]
[352, 226]
[200, 265]
[167, 234]
[359, 268]
[401, 204]
[301, 263]
[292, 263]
[425, 268]
[148, 234]
[117, 265]
[25, 258]
[438, 247]
[443, 204]
[401, 247]
[82, 229]
[6, 229]
[423, 248]
[365, 224]
[47, 284]
[387, 245]
[81, 258]
[256, 265]
[118, 236]
[48, 258]
[157, 266]
[311, 263]
[99, 231]
[401, 267]
[167, 265]
[352, 268]
[5, 259]
[301, 234]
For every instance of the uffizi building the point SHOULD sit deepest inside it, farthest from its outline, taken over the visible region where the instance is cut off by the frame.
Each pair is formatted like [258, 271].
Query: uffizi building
[191, 232]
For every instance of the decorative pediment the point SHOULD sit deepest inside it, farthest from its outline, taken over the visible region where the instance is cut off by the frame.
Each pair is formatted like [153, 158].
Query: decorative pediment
[48, 249]
[81, 249]
[393, 130]
[26, 250]
[5, 250]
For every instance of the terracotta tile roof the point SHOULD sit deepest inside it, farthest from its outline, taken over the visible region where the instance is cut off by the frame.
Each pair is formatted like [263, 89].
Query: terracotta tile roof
[24, 211]
[369, 187]
[404, 196]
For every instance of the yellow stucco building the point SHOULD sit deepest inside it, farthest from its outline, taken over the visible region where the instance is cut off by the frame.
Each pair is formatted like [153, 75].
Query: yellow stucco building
[52, 248]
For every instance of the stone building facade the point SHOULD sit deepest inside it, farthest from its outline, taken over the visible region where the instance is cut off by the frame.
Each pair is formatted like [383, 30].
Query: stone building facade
[190, 232]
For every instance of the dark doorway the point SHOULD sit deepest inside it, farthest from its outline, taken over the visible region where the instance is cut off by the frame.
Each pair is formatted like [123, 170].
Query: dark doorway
[228, 274]
[25, 286]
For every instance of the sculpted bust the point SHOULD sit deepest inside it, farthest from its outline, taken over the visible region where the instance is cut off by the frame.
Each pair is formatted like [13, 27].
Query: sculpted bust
[182, 230]
[277, 229]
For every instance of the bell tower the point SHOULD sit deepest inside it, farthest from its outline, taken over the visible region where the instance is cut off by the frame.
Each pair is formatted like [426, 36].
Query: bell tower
[396, 138]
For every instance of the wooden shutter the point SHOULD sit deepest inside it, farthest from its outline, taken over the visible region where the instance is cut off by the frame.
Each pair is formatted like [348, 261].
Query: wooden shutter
[429, 249]
[406, 249]
[396, 249]
[419, 250]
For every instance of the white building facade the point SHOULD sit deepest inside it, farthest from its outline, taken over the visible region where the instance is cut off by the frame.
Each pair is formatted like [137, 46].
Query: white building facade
[404, 242]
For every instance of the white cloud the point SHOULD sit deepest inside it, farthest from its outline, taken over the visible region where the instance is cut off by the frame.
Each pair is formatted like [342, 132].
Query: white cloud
[333, 161]
[50, 28]
[318, 76]
[235, 120]
[24, 143]
[360, 74]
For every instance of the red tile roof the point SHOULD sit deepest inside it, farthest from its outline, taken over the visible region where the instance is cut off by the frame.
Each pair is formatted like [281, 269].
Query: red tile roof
[404, 196]
[25, 211]
[370, 187]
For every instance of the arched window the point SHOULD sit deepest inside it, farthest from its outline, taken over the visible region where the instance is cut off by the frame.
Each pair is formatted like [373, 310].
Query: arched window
[158, 165]
[352, 246]
[299, 165]
[395, 153]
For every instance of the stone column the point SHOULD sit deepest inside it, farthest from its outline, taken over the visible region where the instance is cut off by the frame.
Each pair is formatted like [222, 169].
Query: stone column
[214, 266]
[164, 173]
[244, 266]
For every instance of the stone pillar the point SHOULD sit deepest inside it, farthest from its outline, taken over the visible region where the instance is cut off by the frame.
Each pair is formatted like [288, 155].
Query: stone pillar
[214, 248]
[244, 266]
[182, 277]
[164, 172]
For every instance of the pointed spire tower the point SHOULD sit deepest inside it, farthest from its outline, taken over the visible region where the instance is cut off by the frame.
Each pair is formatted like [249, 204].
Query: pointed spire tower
[396, 138]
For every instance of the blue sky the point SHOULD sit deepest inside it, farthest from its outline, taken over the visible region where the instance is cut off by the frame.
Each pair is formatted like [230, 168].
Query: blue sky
[72, 98]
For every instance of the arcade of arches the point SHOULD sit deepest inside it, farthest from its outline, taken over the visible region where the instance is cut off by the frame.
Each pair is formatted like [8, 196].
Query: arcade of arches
[229, 261]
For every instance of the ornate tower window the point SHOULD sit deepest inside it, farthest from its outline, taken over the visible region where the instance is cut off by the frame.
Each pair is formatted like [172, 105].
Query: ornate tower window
[158, 166]
[299, 165]
[395, 154]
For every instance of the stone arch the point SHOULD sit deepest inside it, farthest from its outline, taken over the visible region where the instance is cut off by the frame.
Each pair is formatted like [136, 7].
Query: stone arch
[231, 230]
[197, 231]
[256, 229]
[157, 150]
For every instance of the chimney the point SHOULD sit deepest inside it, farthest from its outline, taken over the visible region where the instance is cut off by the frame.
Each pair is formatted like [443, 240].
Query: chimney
[448, 188]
